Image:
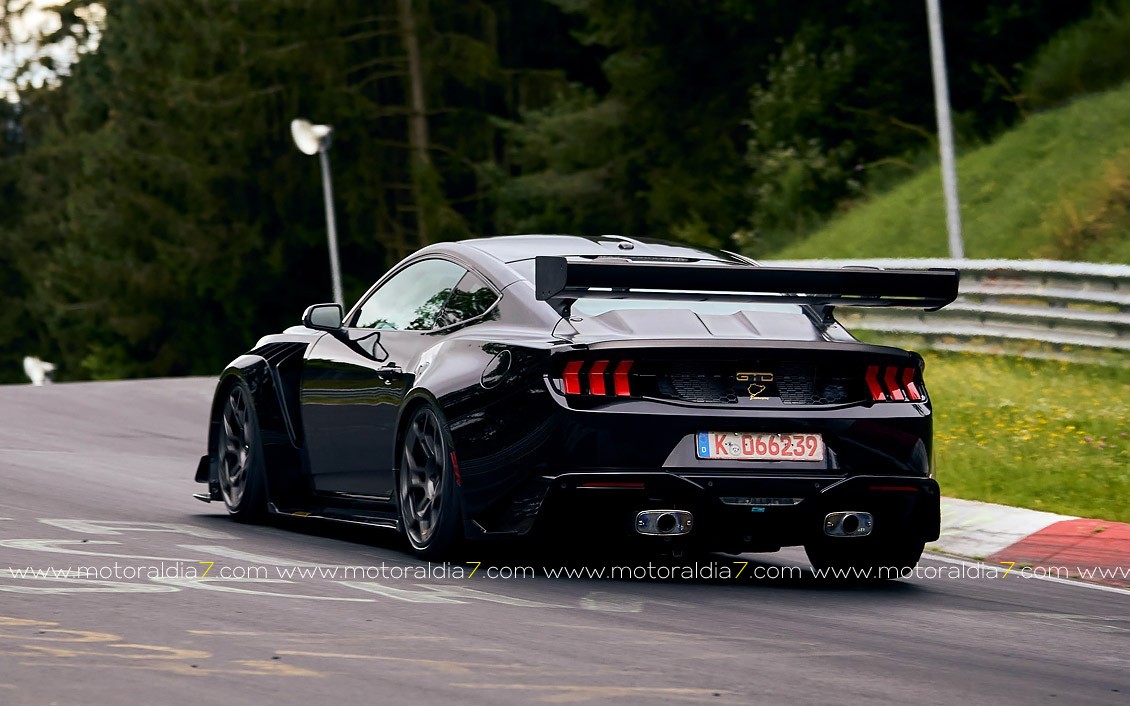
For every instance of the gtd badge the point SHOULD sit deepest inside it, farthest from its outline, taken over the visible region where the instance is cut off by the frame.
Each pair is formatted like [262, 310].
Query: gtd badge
[756, 383]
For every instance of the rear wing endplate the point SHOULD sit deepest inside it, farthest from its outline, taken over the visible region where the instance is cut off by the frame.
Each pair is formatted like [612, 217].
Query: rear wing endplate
[561, 282]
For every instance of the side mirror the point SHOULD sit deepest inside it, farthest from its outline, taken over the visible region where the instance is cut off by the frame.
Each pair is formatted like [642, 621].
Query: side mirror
[323, 317]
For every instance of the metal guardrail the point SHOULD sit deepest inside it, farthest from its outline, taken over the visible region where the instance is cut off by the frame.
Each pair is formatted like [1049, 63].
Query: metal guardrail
[1059, 303]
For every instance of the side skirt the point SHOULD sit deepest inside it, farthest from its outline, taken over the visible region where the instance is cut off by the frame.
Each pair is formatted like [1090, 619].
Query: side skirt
[368, 518]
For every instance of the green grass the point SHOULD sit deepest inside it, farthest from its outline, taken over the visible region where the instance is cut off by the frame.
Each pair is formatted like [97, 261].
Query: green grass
[1042, 434]
[1057, 186]
[1046, 435]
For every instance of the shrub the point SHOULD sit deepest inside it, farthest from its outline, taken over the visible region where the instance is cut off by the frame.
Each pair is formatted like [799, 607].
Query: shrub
[1090, 56]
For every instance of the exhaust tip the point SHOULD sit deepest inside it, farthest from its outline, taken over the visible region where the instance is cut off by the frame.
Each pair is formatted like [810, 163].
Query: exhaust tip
[666, 523]
[848, 524]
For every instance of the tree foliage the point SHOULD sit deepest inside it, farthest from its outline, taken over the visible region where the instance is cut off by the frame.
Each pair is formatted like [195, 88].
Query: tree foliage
[1089, 56]
[156, 217]
[758, 119]
[166, 219]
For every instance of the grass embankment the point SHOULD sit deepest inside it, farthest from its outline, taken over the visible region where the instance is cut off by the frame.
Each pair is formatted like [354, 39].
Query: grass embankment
[1056, 186]
[1045, 435]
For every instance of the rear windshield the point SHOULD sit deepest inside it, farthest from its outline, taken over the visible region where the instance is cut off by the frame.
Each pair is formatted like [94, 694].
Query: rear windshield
[596, 307]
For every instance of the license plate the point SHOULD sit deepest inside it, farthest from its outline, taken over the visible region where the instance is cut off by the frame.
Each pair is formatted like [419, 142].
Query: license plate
[760, 447]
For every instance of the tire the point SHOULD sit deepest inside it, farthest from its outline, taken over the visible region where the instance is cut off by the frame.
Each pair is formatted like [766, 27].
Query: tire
[241, 469]
[431, 514]
[869, 560]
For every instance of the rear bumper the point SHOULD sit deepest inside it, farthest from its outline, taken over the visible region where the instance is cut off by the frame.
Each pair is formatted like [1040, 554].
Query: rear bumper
[739, 513]
[524, 465]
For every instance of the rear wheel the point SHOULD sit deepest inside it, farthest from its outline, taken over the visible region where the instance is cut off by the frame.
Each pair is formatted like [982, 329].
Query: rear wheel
[430, 511]
[860, 559]
[242, 473]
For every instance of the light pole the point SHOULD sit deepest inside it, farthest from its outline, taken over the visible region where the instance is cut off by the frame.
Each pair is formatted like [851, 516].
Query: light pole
[315, 139]
[945, 129]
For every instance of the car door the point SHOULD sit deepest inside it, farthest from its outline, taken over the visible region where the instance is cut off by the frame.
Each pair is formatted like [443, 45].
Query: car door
[355, 379]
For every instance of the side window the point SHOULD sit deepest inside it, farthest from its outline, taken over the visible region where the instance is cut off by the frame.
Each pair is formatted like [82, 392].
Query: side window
[412, 299]
[471, 298]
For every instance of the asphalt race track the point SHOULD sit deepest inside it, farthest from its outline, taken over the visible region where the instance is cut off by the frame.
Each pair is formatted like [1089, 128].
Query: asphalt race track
[100, 475]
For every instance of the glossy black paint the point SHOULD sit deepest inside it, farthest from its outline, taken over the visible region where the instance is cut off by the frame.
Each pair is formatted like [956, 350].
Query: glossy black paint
[332, 405]
[352, 387]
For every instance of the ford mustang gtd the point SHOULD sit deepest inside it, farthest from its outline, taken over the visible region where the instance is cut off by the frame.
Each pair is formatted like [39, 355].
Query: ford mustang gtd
[632, 388]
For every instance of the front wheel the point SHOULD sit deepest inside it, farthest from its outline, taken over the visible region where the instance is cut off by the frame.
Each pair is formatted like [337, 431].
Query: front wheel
[430, 510]
[843, 558]
[242, 471]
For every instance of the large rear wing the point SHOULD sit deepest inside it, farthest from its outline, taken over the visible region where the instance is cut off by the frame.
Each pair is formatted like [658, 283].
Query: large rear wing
[561, 282]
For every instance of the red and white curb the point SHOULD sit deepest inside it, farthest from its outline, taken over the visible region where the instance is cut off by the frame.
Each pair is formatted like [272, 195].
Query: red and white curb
[1057, 545]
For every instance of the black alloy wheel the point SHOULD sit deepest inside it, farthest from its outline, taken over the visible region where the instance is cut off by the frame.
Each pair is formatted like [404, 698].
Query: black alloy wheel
[242, 474]
[430, 511]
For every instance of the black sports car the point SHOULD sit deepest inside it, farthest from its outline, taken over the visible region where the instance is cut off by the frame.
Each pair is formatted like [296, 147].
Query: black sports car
[492, 387]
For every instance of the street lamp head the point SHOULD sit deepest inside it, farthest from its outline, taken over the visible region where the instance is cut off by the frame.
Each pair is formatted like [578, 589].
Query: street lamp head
[311, 139]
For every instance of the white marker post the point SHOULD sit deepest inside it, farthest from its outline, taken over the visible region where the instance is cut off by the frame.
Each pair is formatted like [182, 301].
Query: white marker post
[945, 129]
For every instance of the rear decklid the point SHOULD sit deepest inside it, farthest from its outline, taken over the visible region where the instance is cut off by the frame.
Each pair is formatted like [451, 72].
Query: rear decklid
[675, 321]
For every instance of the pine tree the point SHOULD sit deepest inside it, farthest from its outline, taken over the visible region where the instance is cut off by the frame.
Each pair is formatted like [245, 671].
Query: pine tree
[178, 222]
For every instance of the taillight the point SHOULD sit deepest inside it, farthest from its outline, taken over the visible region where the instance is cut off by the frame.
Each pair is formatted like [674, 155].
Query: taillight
[596, 377]
[604, 378]
[620, 379]
[891, 383]
[909, 385]
[572, 377]
[872, 378]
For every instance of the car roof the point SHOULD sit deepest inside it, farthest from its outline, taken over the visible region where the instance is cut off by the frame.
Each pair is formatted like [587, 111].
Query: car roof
[515, 248]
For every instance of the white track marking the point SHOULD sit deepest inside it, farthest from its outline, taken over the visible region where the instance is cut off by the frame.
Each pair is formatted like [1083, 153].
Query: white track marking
[983, 567]
[118, 527]
[443, 594]
[267, 560]
[610, 602]
[208, 584]
[59, 546]
[401, 594]
[69, 585]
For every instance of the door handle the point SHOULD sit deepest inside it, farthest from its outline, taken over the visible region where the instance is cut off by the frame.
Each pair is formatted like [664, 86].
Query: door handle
[389, 371]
